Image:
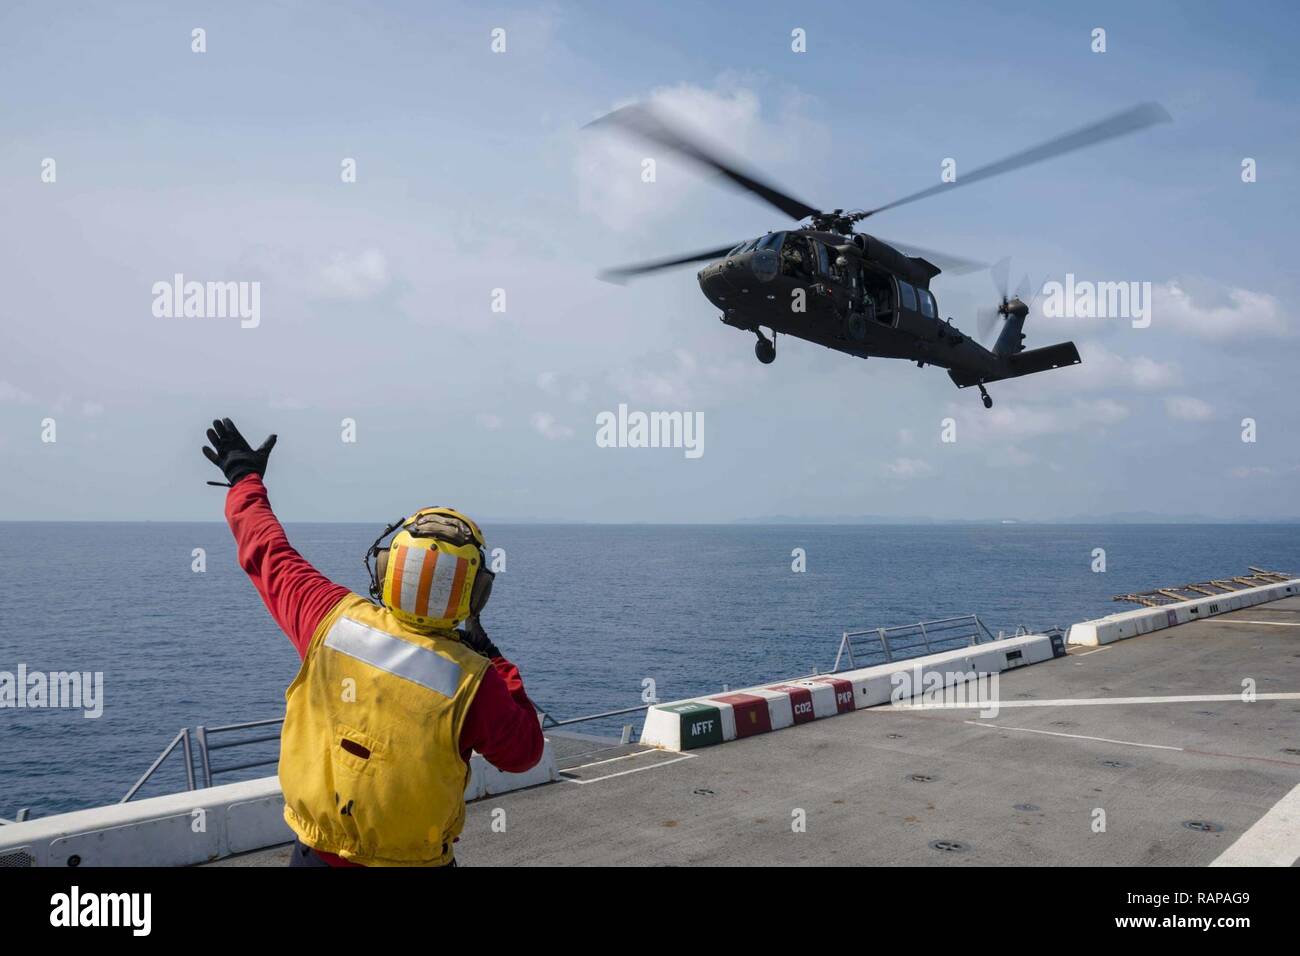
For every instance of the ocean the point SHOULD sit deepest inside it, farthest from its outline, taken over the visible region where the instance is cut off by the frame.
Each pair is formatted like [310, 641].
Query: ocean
[588, 612]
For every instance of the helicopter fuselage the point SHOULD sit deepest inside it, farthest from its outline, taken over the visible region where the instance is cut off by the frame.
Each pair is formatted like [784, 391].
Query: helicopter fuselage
[851, 293]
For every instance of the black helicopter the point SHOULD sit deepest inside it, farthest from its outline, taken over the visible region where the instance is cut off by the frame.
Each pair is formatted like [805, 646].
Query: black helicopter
[856, 293]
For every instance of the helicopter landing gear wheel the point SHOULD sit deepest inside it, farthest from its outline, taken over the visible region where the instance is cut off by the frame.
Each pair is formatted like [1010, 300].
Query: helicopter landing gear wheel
[988, 402]
[765, 349]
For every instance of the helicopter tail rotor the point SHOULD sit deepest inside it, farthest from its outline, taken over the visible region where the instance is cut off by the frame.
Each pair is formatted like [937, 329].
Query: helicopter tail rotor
[1004, 323]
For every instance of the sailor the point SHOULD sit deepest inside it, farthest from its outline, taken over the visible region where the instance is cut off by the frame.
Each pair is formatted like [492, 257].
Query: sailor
[391, 697]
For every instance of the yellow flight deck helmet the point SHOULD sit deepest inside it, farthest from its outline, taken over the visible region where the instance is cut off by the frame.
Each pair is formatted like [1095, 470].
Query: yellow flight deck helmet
[434, 572]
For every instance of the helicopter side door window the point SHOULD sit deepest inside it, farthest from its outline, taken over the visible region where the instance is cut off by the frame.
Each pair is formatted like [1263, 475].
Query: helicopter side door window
[823, 260]
[879, 290]
[927, 303]
[906, 296]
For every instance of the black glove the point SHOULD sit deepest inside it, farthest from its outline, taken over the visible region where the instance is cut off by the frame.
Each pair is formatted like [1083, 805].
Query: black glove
[476, 639]
[232, 453]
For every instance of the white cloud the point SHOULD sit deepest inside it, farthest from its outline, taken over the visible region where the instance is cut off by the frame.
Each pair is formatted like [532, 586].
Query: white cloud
[288, 403]
[1243, 313]
[12, 393]
[909, 468]
[574, 391]
[1104, 370]
[547, 426]
[1013, 457]
[682, 381]
[1257, 471]
[1187, 408]
[1020, 421]
[355, 276]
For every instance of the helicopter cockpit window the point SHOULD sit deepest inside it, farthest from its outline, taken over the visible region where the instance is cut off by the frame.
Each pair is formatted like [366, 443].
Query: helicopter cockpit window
[927, 303]
[749, 246]
[738, 247]
[823, 260]
[906, 295]
[772, 241]
[797, 257]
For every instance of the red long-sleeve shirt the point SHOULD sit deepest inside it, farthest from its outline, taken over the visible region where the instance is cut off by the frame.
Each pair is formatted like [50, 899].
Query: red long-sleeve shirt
[501, 723]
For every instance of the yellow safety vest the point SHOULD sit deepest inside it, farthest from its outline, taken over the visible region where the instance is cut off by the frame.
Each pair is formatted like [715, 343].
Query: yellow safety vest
[370, 760]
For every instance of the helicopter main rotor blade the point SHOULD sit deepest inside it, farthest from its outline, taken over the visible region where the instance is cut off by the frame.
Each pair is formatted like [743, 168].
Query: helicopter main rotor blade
[649, 125]
[953, 265]
[623, 273]
[1129, 121]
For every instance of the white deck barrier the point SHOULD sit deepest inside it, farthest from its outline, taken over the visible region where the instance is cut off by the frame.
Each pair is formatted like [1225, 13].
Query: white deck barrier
[1117, 627]
[197, 826]
[716, 718]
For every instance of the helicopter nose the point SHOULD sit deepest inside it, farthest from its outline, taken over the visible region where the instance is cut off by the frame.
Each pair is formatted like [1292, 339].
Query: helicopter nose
[714, 283]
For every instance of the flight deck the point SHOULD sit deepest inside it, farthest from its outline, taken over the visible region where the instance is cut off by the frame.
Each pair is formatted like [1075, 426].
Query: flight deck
[1141, 752]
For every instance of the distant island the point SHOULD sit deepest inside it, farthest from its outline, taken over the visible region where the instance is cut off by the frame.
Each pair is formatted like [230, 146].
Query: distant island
[1121, 517]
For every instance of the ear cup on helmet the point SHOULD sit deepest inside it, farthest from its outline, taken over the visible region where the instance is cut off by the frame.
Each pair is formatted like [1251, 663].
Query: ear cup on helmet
[481, 589]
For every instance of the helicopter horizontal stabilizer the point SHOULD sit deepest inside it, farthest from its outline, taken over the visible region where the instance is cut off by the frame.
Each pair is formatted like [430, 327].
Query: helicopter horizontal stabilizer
[1023, 363]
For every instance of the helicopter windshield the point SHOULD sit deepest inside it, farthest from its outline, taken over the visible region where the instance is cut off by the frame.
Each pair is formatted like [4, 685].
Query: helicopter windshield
[772, 241]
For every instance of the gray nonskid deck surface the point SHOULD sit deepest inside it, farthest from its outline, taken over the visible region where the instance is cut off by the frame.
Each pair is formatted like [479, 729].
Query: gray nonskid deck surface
[1150, 767]
[852, 775]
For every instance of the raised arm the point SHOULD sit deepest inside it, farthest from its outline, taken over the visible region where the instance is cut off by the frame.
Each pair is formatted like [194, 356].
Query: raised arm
[297, 595]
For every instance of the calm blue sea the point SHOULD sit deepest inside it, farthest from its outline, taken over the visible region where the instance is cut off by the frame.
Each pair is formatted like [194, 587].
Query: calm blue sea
[587, 612]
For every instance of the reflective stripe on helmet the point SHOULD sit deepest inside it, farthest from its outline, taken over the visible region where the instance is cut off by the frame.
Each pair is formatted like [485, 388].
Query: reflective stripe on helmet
[411, 563]
[394, 656]
[456, 586]
[427, 582]
[427, 563]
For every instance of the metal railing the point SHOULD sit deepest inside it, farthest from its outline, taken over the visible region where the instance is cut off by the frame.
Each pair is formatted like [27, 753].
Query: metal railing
[548, 721]
[202, 736]
[886, 644]
[182, 738]
[207, 747]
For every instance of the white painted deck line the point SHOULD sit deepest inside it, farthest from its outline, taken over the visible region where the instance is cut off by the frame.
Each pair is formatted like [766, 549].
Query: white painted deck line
[1274, 840]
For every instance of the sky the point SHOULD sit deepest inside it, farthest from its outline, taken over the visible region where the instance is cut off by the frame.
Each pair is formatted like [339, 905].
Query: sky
[475, 177]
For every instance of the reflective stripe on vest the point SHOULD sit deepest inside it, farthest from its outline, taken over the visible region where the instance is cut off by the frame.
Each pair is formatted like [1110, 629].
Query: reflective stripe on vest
[394, 655]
